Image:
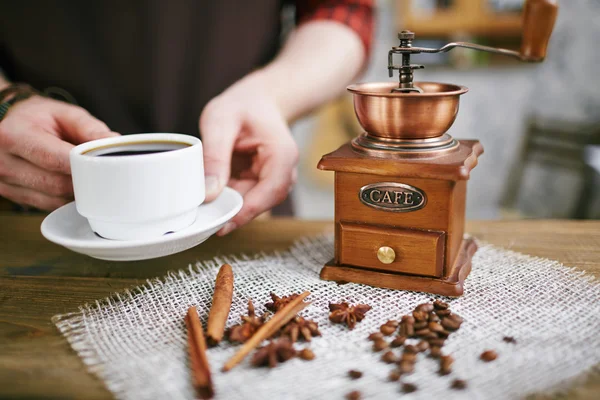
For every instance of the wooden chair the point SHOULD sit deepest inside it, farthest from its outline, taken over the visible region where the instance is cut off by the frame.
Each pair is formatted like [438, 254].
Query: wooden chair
[556, 144]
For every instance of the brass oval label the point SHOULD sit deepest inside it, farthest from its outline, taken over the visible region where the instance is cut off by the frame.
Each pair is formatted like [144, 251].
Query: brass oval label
[392, 196]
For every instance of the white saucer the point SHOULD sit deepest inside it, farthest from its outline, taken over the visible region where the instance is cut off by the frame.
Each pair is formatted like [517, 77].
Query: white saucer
[69, 229]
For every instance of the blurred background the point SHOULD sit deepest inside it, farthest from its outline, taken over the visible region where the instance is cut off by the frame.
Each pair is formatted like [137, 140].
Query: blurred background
[539, 123]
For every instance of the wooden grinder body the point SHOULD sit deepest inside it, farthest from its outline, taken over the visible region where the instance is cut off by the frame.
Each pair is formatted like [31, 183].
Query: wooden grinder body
[399, 222]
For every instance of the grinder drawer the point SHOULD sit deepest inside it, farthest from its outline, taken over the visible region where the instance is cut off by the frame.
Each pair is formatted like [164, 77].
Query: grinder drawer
[408, 251]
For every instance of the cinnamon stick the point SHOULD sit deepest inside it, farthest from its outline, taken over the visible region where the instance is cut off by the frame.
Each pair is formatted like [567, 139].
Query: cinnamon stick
[197, 350]
[280, 318]
[215, 328]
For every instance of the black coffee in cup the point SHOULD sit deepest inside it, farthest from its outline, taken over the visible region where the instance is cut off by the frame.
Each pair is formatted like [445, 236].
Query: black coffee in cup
[136, 149]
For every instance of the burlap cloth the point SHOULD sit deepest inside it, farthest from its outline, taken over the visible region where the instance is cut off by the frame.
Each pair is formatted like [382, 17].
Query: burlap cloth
[136, 341]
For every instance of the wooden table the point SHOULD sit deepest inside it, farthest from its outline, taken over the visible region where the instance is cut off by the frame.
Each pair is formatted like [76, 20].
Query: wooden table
[39, 279]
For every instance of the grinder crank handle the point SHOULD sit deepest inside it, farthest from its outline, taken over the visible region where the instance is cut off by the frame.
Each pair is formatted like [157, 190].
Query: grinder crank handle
[538, 21]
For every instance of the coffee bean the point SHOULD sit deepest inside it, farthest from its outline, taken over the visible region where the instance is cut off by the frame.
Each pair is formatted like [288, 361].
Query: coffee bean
[411, 349]
[422, 332]
[406, 367]
[509, 339]
[430, 335]
[443, 334]
[443, 313]
[380, 344]
[387, 329]
[456, 318]
[354, 374]
[425, 307]
[398, 341]
[435, 327]
[422, 346]
[389, 357]
[420, 316]
[436, 342]
[306, 354]
[394, 376]
[409, 387]
[450, 324]
[354, 395]
[408, 319]
[376, 336]
[392, 322]
[435, 352]
[433, 317]
[408, 357]
[420, 325]
[440, 305]
[406, 329]
[446, 364]
[458, 384]
[488, 355]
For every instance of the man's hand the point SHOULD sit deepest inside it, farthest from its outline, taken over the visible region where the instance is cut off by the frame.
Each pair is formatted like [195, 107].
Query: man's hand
[35, 139]
[248, 146]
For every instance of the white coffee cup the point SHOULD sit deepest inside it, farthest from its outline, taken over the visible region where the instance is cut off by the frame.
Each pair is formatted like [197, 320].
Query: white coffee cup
[156, 190]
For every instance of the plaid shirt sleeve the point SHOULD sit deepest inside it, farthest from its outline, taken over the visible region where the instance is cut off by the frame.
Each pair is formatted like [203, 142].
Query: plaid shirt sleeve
[356, 14]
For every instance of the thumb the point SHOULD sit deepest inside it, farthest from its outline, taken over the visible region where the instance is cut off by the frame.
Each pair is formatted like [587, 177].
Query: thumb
[218, 131]
[79, 126]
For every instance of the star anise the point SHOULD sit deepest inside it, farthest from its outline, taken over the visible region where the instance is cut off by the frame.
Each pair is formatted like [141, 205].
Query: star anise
[250, 324]
[350, 315]
[273, 353]
[300, 327]
[279, 302]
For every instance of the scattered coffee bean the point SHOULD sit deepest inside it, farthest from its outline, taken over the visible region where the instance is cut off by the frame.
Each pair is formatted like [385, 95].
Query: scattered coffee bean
[376, 336]
[450, 324]
[392, 322]
[422, 346]
[408, 319]
[456, 318]
[433, 317]
[408, 357]
[440, 305]
[409, 387]
[446, 364]
[407, 329]
[458, 384]
[443, 334]
[422, 332]
[398, 341]
[394, 376]
[436, 342]
[435, 327]
[509, 339]
[420, 315]
[406, 367]
[354, 374]
[380, 344]
[488, 355]
[425, 307]
[354, 395]
[387, 329]
[435, 352]
[420, 325]
[306, 354]
[443, 313]
[409, 348]
[389, 357]
[429, 336]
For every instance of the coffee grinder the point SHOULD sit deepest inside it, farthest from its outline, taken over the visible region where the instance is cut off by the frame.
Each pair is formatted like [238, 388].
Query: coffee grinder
[400, 187]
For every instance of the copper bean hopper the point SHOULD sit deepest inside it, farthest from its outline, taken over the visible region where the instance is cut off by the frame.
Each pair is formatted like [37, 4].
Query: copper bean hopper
[400, 187]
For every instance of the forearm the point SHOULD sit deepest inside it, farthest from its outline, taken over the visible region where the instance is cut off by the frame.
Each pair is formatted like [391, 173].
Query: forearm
[317, 62]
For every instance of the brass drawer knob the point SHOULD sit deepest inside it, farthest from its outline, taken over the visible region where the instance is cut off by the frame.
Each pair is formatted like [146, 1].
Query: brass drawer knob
[386, 254]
